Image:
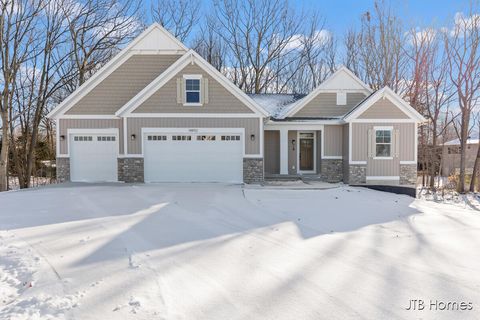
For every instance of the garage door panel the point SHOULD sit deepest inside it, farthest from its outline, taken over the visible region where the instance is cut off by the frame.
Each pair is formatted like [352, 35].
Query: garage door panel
[93, 158]
[193, 159]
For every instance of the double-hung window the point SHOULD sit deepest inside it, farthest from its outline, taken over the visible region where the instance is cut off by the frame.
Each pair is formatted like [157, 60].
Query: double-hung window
[383, 143]
[192, 90]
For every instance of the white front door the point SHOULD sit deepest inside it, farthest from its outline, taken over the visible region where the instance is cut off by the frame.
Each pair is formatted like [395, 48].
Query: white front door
[93, 157]
[202, 157]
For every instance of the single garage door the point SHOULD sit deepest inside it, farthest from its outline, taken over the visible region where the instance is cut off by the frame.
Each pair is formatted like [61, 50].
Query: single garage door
[93, 157]
[193, 157]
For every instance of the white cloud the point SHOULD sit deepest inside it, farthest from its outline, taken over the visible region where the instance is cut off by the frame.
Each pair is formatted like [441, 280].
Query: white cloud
[320, 38]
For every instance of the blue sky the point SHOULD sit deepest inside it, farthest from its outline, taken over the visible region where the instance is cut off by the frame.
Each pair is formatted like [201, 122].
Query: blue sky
[343, 14]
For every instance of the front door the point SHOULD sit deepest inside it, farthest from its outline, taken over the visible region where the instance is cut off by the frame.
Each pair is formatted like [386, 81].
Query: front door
[307, 152]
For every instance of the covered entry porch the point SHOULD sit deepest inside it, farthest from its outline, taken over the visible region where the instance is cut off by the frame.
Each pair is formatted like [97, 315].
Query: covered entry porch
[296, 149]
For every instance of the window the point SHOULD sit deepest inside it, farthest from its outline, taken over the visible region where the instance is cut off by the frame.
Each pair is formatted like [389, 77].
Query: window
[383, 143]
[206, 138]
[192, 90]
[82, 138]
[181, 138]
[341, 98]
[106, 138]
[157, 138]
[230, 138]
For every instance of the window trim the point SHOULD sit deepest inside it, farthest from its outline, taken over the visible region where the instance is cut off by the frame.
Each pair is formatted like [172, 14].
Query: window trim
[192, 77]
[342, 98]
[375, 129]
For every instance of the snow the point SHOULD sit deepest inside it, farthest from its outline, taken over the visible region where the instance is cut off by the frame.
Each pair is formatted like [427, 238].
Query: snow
[214, 251]
[276, 104]
[456, 142]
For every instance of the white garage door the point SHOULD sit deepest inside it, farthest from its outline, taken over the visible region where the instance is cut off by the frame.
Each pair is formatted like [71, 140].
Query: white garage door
[193, 157]
[93, 157]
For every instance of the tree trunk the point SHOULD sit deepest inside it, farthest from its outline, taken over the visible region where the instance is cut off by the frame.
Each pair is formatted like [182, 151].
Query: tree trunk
[463, 151]
[4, 156]
[475, 169]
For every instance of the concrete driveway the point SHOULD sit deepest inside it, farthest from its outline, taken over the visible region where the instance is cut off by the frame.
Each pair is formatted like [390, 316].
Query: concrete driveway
[214, 251]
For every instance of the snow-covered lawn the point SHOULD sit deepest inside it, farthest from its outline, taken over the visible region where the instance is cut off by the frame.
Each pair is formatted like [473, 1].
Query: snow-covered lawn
[223, 252]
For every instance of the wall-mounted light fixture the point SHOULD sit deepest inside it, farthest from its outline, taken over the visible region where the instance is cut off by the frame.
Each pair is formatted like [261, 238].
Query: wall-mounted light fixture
[293, 144]
[252, 137]
[133, 137]
[62, 137]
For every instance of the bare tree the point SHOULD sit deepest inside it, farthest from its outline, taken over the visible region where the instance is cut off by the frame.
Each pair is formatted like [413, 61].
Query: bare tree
[210, 45]
[462, 46]
[17, 33]
[258, 33]
[38, 80]
[98, 28]
[177, 16]
[376, 52]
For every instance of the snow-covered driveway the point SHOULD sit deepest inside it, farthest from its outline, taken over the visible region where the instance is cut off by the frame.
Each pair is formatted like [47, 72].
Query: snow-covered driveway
[223, 252]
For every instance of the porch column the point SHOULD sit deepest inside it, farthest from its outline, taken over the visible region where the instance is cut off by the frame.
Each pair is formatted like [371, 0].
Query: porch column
[283, 151]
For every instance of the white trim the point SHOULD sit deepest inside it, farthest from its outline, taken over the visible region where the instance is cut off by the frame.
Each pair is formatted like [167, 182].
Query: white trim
[192, 77]
[415, 152]
[107, 69]
[125, 136]
[308, 127]
[314, 152]
[408, 162]
[193, 115]
[382, 178]
[350, 148]
[304, 122]
[190, 57]
[159, 130]
[383, 128]
[91, 131]
[386, 92]
[303, 102]
[57, 137]
[382, 120]
[88, 116]
[133, 155]
[284, 149]
[382, 158]
[332, 157]
[355, 162]
[262, 132]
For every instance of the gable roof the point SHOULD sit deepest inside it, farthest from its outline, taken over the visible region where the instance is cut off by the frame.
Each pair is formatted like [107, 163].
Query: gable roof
[155, 39]
[275, 103]
[385, 92]
[190, 57]
[337, 81]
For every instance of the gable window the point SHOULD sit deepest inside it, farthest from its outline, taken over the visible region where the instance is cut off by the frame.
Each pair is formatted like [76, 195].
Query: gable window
[341, 98]
[383, 143]
[192, 90]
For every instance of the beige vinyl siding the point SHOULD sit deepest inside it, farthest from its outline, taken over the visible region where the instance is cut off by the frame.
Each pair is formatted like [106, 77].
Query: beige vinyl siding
[333, 138]
[325, 105]
[93, 124]
[383, 109]
[272, 151]
[382, 167]
[123, 84]
[251, 126]
[220, 100]
[292, 152]
[346, 165]
[406, 139]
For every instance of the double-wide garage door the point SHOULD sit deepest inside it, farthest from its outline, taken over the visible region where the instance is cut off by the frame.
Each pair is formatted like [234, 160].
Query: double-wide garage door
[171, 157]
